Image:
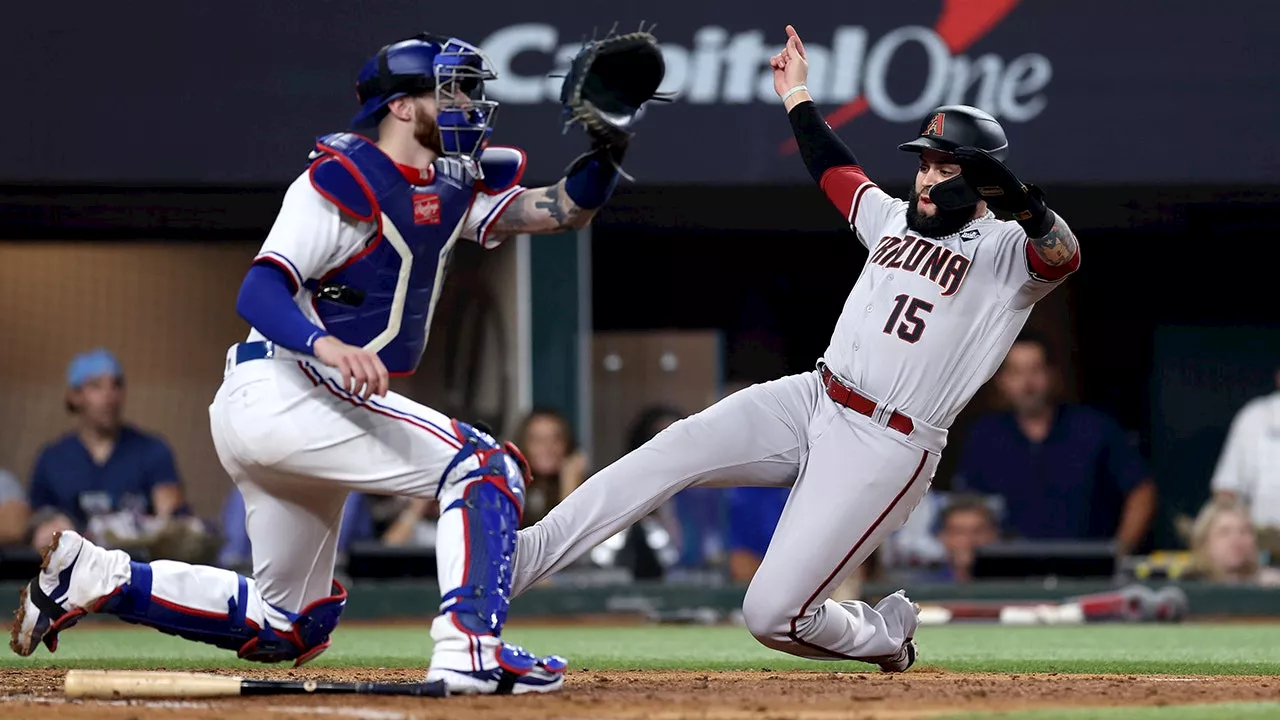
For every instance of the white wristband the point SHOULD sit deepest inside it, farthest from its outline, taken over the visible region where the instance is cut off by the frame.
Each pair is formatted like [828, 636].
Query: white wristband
[793, 91]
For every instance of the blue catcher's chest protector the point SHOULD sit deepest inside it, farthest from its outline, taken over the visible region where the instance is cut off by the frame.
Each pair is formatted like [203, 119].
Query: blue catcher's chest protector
[384, 296]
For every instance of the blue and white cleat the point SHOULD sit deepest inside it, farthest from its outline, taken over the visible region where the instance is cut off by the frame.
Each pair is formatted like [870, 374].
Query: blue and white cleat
[516, 671]
[43, 610]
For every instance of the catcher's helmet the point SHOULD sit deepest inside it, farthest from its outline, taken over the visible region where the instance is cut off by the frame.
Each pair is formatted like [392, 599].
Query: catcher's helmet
[951, 126]
[426, 63]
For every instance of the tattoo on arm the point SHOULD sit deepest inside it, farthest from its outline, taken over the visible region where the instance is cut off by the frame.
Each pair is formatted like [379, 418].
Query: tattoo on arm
[1059, 245]
[542, 210]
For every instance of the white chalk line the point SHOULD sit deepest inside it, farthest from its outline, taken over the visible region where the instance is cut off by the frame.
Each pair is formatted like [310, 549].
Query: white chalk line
[351, 712]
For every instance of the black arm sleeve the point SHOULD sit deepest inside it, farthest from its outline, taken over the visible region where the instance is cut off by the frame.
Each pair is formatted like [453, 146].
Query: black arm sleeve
[820, 147]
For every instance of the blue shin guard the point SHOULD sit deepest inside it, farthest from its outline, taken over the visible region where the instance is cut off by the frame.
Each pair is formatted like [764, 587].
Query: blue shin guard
[482, 494]
[491, 502]
[234, 627]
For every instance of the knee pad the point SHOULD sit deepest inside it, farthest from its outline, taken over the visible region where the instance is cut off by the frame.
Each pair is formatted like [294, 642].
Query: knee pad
[490, 493]
[309, 637]
[501, 465]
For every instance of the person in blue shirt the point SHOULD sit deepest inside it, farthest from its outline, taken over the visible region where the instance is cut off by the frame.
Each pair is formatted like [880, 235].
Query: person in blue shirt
[1065, 471]
[237, 550]
[104, 465]
[753, 515]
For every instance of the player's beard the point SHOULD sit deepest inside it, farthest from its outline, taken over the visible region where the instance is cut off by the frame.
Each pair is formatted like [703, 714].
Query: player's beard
[940, 224]
[427, 132]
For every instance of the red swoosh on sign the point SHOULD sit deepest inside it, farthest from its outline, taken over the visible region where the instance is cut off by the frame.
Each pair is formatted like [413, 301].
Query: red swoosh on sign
[960, 25]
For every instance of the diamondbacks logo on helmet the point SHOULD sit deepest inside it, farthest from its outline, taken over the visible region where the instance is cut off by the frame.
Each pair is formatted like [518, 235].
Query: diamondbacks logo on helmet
[935, 125]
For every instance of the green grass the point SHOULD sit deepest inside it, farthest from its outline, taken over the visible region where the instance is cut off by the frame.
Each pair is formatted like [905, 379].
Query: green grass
[1235, 711]
[1137, 649]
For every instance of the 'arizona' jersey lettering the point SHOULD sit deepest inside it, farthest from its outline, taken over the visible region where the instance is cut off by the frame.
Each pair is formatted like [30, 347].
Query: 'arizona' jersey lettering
[930, 319]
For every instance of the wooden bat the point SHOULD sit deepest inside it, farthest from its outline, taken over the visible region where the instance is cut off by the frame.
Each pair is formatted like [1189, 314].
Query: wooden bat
[114, 684]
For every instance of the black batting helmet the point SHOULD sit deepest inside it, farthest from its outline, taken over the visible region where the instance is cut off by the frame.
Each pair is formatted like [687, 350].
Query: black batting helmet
[951, 126]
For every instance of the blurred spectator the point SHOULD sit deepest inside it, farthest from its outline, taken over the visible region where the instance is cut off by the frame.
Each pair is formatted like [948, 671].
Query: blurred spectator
[237, 551]
[414, 524]
[106, 477]
[14, 511]
[916, 545]
[967, 523]
[46, 523]
[753, 514]
[1249, 467]
[1224, 546]
[691, 520]
[557, 465]
[1063, 471]
[652, 544]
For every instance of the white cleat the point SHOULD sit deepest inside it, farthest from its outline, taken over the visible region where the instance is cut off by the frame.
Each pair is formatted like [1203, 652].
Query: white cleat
[515, 671]
[42, 608]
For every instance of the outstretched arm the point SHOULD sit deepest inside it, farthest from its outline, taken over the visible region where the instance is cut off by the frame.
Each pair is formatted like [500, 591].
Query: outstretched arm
[543, 210]
[820, 148]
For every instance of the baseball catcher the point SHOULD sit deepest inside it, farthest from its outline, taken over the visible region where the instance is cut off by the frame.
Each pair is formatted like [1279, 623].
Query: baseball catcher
[341, 296]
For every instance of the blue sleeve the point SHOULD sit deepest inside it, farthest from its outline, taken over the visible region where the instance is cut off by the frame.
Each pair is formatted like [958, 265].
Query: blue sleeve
[41, 493]
[162, 468]
[266, 303]
[357, 523]
[591, 180]
[1125, 464]
[968, 473]
[237, 548]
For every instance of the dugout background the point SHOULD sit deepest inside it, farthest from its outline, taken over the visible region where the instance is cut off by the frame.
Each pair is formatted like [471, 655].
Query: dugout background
[147, 148]
[1139, 330]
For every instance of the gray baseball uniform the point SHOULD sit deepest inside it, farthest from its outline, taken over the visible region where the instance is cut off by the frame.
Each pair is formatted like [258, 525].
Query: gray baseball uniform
[927, 323]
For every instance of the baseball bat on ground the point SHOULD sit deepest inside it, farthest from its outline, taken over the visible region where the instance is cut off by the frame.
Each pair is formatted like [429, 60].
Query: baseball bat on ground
[114, 684]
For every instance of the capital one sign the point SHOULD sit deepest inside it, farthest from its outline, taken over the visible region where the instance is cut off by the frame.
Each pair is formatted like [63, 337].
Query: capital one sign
[852, 69]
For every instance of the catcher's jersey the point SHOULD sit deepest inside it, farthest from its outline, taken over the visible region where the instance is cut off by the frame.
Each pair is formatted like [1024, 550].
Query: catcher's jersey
[311, 237]
[930, 319]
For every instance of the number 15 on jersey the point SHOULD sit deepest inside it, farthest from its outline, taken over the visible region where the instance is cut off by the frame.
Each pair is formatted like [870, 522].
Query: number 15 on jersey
[912, 325]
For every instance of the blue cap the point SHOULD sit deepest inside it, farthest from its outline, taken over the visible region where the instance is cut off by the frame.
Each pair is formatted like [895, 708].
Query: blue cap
[92, 364]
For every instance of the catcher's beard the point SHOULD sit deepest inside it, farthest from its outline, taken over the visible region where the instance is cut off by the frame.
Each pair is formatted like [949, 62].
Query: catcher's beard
[941, 224]
[427, 132]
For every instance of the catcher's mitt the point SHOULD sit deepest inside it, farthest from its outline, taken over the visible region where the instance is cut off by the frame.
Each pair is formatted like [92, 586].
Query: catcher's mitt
[608, 83]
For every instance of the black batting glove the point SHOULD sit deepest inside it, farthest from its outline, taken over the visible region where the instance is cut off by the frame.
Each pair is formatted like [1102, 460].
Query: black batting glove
[996, 183]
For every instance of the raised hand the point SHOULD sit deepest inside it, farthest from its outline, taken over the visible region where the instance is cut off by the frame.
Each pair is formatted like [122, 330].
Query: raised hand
[791, 66]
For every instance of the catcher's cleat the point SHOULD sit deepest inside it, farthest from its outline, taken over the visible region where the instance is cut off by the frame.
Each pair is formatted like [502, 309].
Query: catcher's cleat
[513, 671]
[56, 599]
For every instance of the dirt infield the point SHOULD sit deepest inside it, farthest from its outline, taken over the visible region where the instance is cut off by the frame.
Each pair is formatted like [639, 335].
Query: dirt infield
[921, 693]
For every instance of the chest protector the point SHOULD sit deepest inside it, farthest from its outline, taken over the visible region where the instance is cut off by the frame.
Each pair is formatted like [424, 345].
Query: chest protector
[382, 299]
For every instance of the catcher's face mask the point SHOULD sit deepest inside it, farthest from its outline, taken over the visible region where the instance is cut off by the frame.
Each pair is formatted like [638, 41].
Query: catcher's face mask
[464, 115]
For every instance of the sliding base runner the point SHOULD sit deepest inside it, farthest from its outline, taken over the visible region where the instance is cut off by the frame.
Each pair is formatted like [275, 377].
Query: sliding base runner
[945, 292]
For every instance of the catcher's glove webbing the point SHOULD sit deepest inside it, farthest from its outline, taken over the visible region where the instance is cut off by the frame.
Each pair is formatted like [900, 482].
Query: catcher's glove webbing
[607, 85]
